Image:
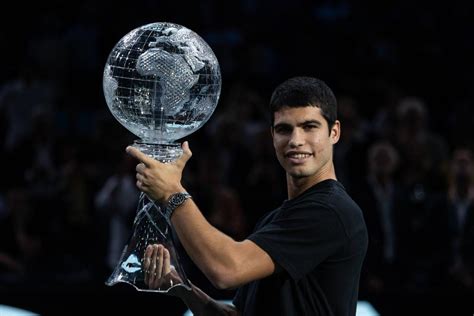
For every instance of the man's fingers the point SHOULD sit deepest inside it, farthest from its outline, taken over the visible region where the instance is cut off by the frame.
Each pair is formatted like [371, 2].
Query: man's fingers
[158, 256]
[140, 168]
[166, 262]
[157, 267]
[186, 150]
[167, 273]
[141, 179]
[186, 154]
[146, 263]
[137, 154]
[153, 270]
[159, 262]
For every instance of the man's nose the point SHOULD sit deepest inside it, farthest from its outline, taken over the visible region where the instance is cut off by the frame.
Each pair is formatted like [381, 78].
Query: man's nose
[297, 138]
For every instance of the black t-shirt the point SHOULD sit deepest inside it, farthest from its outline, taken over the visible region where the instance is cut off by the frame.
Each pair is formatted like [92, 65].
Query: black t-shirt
[318, 242]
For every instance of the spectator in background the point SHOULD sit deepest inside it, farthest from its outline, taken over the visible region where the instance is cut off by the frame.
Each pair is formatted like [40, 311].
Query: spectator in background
[378, 196]
[460, 206]
[423, 236]
[422, 151]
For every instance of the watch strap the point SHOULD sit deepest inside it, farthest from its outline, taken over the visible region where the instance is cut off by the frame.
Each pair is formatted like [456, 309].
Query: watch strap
[175, 200]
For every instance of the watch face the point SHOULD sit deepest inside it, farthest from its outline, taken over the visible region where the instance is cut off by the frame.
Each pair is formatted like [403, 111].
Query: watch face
[178, 198]
[174, 201]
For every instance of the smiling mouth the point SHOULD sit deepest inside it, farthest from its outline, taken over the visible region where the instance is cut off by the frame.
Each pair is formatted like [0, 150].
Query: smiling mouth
[298, 156]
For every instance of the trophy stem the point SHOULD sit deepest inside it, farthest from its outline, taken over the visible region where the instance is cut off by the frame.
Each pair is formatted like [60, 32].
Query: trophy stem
[164, 152]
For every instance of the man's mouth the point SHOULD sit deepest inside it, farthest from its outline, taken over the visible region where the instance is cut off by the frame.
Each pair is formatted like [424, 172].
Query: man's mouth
[298, 157]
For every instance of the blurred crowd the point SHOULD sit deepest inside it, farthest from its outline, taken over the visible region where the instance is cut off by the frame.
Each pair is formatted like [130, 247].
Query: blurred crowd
[67, 187]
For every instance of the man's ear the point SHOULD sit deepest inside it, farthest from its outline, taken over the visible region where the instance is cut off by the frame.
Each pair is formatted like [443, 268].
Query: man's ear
[335, 132]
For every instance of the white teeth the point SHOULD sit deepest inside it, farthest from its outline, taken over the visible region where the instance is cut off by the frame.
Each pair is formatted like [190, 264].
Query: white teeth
[299, 156]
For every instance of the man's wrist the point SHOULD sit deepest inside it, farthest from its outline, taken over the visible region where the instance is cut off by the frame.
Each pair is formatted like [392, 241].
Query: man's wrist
[174, 201]
[171, 191]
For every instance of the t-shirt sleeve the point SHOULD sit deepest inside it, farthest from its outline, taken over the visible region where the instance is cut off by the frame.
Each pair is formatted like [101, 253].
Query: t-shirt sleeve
[300, 238]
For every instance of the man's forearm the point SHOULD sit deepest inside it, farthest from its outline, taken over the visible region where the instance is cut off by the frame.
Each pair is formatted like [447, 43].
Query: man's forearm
[210, 249]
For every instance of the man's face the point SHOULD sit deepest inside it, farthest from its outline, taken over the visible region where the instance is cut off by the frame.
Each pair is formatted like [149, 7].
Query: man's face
[302, 141]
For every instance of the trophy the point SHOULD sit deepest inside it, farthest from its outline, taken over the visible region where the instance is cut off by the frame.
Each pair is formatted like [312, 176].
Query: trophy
[162, 82]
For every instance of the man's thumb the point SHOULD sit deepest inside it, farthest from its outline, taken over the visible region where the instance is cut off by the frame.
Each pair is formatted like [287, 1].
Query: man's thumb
[186, 153]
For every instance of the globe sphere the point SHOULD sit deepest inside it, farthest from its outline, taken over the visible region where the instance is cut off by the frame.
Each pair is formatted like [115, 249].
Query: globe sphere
[162, 82]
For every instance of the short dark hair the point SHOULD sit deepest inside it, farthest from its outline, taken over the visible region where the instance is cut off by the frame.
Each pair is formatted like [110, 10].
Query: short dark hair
[304, 91]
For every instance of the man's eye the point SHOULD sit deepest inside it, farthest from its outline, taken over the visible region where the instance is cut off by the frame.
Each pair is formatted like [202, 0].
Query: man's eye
[283, 130]
[310, 127]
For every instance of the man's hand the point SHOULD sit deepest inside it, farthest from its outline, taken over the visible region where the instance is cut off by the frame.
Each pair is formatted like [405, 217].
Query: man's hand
[159, 274]
[159, 180]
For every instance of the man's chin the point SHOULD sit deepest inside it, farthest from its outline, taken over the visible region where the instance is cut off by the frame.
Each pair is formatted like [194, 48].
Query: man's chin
[297, 174]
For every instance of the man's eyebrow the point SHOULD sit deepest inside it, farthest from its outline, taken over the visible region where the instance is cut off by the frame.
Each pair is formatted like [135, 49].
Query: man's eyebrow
[308, 122]
[304, 123]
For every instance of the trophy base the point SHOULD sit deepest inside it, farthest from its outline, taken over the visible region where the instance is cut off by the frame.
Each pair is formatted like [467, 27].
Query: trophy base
[150, 227]
[164, 152]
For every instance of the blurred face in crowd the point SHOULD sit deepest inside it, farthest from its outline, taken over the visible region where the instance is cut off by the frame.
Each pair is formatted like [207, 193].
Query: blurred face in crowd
[383, 159]
[463, 162]
[303, 142]
[463, 170]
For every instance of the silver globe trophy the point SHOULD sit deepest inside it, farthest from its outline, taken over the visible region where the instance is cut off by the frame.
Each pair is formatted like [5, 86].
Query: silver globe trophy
[161, 82]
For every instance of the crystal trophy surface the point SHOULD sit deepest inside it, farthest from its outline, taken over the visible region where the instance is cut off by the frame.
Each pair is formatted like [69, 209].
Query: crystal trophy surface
[162, 82]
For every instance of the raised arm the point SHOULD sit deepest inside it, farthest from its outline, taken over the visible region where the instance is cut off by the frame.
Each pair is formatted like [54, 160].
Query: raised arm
[225, 262]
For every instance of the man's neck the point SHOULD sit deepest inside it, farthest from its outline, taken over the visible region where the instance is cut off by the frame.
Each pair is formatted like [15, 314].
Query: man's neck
[296, 186]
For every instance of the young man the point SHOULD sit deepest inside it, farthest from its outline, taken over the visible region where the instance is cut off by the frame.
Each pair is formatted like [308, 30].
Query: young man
[305, 257]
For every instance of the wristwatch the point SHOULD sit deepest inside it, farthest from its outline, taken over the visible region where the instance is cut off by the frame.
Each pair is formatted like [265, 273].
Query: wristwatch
[175, 200]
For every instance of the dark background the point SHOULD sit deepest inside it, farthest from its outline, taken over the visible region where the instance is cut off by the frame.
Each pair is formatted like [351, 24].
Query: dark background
[60, 144]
